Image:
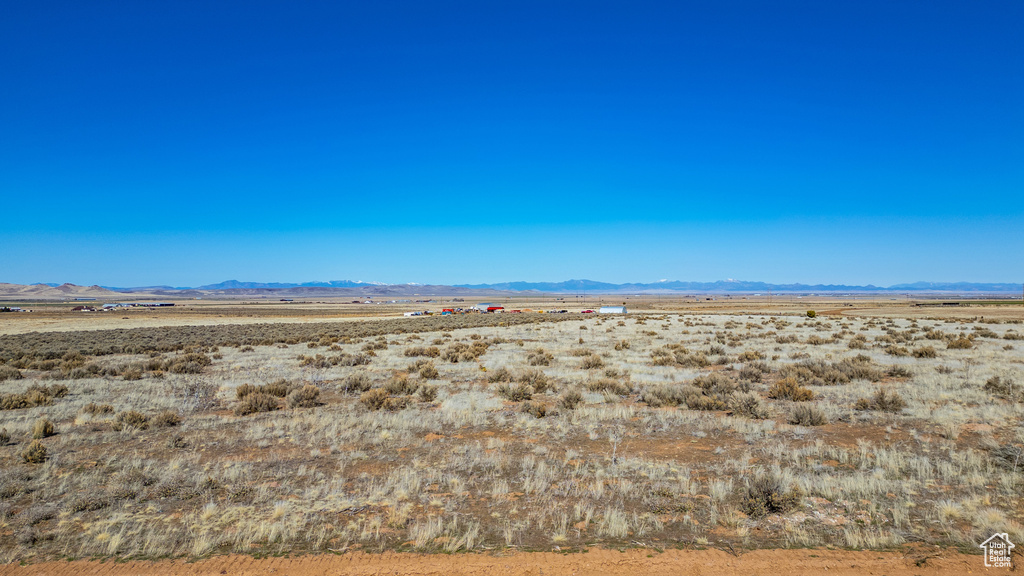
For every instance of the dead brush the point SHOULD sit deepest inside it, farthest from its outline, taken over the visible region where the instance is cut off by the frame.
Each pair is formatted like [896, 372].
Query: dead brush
[428, 393]
[591, 362]
[129, 420]
[502, 374]
[924, 352]
[765, 495]
[751, 356]
[396, 403]
[306, 397]
[660, 395]
[897, 371]
[430, 352]
[278, 389]
[255, 403]
[93, 409]
[570, 399]
[610, 386]
[1002, 387]
[515, 392]
[539, 357]
[535, 409]
[9, 373]
[755, 371]
[191, 363]
[429, 372]
[807, 415]
[374, 399]
[34, 453]
[401, 385]
[622, 345]
[166, 419]
[536, 379]
[788, 389]
[43, 428]
[463, 352]
[883, 400]
[357, 382]
[961, 343]
[749, 405]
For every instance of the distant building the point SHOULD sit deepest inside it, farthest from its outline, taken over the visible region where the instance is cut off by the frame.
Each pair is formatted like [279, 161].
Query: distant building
[612, 310]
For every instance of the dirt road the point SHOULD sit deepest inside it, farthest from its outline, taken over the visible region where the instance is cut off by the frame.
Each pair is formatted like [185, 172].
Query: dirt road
[593, 563]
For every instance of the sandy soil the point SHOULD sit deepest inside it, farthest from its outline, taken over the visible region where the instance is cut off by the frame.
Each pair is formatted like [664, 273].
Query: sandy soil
[913, 561]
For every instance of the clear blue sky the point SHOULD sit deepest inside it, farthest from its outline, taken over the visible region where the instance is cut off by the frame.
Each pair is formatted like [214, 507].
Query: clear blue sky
[187, 143]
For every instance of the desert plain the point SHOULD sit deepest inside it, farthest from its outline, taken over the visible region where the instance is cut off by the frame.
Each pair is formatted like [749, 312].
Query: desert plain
[688, 436]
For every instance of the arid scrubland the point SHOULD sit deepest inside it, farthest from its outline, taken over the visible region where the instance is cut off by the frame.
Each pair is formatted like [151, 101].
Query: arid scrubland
[494, 431]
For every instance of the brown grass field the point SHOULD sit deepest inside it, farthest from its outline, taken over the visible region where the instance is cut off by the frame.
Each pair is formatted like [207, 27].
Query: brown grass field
[731, 435]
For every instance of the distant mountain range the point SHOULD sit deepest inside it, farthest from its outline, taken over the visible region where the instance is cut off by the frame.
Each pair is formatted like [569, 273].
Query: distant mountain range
[665, 286]
[358, 288]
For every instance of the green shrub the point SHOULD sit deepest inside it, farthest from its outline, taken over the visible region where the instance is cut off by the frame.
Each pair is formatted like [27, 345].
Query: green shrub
[811, 314]
[34, 453]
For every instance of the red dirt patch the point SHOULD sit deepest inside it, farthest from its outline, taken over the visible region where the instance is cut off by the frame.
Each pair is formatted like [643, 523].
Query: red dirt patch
[907, 562]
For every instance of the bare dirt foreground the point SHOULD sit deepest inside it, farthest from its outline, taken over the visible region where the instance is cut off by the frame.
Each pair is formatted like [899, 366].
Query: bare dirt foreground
[595, 563]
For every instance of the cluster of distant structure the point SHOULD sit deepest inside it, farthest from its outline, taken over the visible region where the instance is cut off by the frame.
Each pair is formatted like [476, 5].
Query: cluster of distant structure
[488, 308]
[116, 305]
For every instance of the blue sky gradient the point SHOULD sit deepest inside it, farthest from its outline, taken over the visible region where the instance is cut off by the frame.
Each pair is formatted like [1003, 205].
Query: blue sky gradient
[461, 142]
